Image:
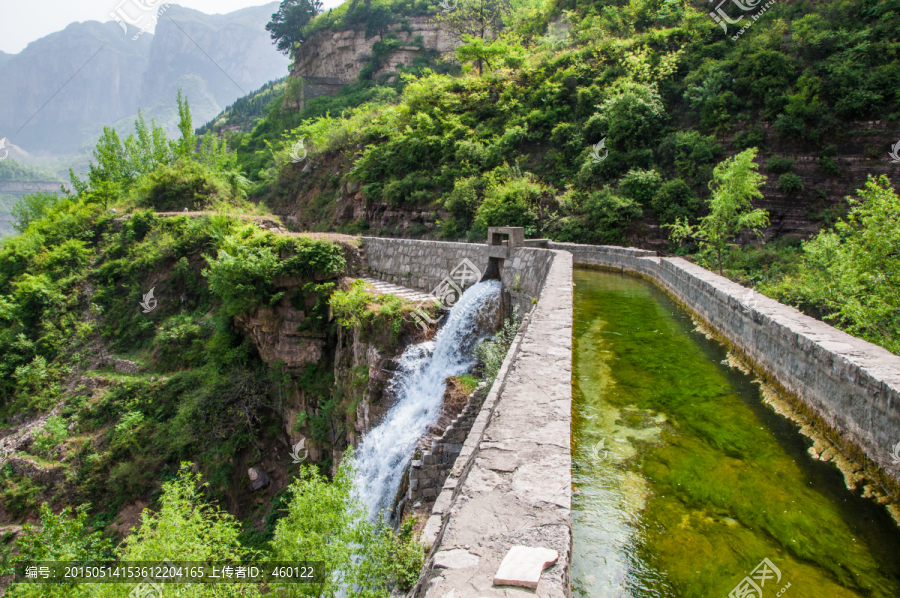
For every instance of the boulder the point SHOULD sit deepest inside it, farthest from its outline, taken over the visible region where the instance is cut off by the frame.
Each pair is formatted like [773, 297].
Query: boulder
[258, 478]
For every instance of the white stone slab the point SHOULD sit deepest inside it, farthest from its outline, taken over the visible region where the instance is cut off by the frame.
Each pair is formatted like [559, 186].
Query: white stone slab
[522, 566]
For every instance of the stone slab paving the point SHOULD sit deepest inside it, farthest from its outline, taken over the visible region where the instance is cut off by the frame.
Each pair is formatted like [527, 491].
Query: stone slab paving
[512, 483]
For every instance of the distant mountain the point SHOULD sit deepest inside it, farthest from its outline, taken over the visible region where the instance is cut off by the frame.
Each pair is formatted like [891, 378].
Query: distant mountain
[4, 58]
[105, 69]
[214, 59]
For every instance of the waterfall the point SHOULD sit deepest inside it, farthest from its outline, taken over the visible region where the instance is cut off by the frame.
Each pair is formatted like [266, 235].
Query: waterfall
[418, 386]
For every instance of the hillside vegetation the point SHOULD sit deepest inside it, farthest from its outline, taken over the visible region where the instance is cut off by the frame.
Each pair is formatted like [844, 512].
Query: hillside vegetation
[603, 124]
[124, 320]
[119, 342]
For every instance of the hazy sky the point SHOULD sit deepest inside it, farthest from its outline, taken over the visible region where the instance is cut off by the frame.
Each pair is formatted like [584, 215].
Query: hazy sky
[23, 21]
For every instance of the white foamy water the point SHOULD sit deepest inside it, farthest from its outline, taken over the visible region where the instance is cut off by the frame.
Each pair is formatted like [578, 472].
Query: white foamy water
[418, 386]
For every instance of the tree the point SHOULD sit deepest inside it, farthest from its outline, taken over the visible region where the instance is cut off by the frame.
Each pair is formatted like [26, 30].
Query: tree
[33, 207]
[185, 146]
[735, 182]
[122, 163]
[482, 19]
[479, 50]
[851, 275]
[62, 537]
[286, 26]
[327, 523]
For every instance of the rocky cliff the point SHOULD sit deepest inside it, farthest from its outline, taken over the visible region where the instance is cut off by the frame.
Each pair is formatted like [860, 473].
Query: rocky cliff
[343, 54]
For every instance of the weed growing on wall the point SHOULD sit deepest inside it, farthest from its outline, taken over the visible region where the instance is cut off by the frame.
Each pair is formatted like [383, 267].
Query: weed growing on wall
[491, 352]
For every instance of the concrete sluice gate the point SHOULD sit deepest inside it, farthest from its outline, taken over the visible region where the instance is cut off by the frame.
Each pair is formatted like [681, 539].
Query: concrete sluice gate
[670, 499]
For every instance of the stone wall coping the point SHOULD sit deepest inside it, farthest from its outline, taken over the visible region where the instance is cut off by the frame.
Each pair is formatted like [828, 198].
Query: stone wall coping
[871, 358]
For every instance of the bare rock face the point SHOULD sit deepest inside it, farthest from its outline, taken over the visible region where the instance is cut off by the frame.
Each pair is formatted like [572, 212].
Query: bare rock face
[258, 478]
[274, 332]
[336, 54]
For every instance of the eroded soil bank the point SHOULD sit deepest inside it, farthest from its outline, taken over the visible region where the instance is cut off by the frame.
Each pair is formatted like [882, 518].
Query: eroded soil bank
[685, 480]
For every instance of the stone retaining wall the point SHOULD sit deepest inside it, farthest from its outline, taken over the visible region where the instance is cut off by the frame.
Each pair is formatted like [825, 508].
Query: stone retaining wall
[423, 265]
[428, 473]
[850, 385]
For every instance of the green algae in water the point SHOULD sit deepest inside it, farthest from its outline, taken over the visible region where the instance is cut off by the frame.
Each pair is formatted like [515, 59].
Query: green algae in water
[685, 481]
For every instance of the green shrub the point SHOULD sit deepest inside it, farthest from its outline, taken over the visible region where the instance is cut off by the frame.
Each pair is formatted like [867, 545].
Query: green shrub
[790, 127]
[325, 522]
[674, 201]
[789, 183]
[690, 153]
[608, 215]
[508, 201]
[780, 164]
[631, 118]
[464, 200]
[243, 276]
[358, 309]
[186, 184]
[491, 352]
[829, 166]
[640, 185]
[851, 275]
[52, 434]
[244, 271]
[33, 207]
[62, 537]
[754, 136]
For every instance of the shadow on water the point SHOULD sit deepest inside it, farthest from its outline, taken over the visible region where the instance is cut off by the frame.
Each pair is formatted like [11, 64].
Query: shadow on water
[685, 480]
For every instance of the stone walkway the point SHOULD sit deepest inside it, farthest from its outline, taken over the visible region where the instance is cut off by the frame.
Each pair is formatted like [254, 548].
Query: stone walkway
[512, 483]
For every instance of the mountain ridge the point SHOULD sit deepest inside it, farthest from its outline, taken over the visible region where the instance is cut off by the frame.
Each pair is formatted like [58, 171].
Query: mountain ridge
[111, 75]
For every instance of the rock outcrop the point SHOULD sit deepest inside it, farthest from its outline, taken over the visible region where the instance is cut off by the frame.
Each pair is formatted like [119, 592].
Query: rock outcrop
[274, 331]
[341, 54]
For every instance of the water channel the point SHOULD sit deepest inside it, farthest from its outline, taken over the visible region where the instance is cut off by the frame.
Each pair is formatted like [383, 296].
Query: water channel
[685, 480]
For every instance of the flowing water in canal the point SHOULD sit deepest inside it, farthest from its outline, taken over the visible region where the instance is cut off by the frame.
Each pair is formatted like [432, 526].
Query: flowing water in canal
[685, 480]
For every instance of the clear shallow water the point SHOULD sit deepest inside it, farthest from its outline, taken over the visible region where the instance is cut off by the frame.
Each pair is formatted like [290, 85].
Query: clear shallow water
[685, 480]
[419, 386]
